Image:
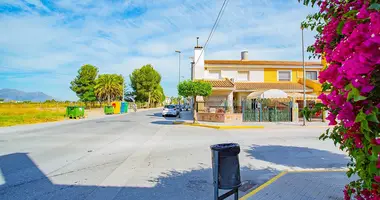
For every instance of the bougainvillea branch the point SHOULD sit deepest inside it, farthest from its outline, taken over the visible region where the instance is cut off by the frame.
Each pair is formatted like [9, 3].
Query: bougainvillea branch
[348, 36]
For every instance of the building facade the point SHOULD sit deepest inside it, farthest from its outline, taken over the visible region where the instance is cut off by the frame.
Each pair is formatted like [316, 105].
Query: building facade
[234, 80]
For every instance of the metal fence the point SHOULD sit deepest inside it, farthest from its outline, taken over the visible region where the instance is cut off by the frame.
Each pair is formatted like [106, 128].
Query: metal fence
[266, 110]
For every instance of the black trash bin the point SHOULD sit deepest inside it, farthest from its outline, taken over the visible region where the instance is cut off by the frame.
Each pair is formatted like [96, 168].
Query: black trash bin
[226, 167]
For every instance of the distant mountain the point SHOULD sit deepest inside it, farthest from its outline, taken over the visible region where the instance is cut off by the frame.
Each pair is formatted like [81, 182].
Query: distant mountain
[17, 95]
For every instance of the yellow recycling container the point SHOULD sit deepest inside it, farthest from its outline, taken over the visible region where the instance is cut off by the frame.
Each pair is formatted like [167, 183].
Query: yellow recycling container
[116, 107]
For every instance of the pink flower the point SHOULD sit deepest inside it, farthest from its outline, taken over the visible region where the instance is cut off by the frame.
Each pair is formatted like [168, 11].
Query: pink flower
[363, 12]
[377, 179]
[323, 98]
[358, 197]
[331, 117]
[376, 141]
[367, 112]
[367, 89]
[375, 23]
[358, 142]
[348, 27]
[358, 81]
[366, 193]
[346, 115]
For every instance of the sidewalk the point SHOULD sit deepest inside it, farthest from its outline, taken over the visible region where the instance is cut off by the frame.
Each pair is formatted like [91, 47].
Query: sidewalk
[186, 117]
[320, 185]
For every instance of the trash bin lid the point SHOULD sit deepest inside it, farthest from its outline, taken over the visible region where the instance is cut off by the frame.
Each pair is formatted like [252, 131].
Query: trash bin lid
[233, 148]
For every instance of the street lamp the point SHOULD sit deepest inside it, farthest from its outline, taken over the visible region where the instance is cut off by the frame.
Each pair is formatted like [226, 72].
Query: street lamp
[179, 65]
[179, 71]
[304, 78]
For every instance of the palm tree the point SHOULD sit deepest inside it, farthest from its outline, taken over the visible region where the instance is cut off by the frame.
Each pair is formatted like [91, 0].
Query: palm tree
[157, 96]
[109, 86]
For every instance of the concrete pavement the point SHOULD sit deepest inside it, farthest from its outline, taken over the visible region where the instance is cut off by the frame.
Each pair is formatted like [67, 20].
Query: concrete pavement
[303, 186]
[143, 156]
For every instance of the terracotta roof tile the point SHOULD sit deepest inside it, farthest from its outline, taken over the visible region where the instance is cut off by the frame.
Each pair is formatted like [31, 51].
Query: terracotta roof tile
[262, 62]
[223, 83]
[286, 86]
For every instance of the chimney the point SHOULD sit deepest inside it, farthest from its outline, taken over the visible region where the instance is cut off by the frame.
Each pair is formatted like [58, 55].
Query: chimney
[199, 62]
[244, 55]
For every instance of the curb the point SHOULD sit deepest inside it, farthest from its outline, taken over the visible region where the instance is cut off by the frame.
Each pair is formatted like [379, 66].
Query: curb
[272, 180]
[223, 127]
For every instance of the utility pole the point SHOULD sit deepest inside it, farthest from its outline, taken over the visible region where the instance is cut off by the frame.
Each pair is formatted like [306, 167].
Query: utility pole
[179, 65]
[179, 72]
[304, 78]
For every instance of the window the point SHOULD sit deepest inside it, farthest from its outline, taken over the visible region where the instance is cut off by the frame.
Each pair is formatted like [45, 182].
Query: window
[284, 75]
[242, 76]
[313, 75]
[214, 74]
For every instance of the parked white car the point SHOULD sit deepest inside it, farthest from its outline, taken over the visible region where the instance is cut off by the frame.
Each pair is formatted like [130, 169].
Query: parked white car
[170, 110]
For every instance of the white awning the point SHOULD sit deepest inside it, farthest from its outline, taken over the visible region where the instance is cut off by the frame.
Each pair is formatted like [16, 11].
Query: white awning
[268, 94]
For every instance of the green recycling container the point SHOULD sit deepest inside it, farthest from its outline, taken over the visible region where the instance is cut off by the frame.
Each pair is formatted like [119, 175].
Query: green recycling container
[108, 110]
[75, 112]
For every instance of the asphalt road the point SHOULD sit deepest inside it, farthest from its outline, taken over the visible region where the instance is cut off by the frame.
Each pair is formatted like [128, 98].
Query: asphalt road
[143, 156]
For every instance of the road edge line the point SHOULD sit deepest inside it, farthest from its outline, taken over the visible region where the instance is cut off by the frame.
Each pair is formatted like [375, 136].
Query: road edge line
[270, 181]
[317, 170]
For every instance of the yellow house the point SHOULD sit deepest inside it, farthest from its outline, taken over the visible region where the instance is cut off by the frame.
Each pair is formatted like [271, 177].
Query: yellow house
[234, 80]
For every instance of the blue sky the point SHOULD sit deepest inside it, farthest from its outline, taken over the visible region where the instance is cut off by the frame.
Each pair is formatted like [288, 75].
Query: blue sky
[44, 42]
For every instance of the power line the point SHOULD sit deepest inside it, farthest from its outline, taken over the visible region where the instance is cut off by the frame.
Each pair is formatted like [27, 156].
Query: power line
[220, 14]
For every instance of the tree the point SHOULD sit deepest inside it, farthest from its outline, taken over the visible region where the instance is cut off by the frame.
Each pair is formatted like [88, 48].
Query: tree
[84, 83]
[348, 37]
[193, 89]
[1, 100]
[109, 86]
[173, 100]
[144, 82]
[158, 95]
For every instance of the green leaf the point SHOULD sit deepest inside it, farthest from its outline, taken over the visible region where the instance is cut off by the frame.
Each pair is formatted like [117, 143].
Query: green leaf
[364, 126]
[348, 87]
[372, 117]
[319, 29]
[372, 167]
[367, 136]
[326, 86]
[319, 106]
[355, 94]
[360, 117]
[350, 13]
[350, 172]
[359, 98]
[340, 27]
[373, 157]
[376, 149]
[374, 6]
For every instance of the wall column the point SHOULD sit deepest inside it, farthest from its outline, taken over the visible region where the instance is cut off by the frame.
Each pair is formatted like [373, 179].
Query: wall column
[230, 101]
